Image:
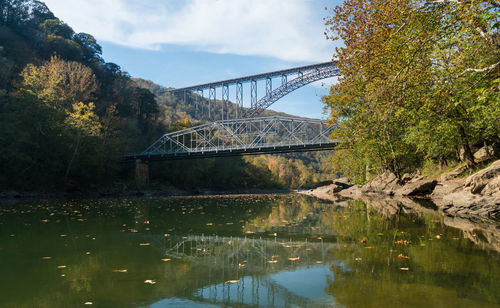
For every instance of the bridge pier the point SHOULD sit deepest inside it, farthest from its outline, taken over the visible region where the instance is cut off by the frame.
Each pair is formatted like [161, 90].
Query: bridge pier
[141, 173]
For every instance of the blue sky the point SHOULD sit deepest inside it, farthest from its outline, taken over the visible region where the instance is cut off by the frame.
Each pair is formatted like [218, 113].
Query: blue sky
[181, 43]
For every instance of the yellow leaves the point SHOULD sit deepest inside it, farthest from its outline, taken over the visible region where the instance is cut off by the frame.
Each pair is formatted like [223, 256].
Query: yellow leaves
[166, 260]
[294, 258]
[83, 118]
[272, 261]
[401, 256]
[402, 242]
[120, 271]
[232, 281]
[88, 303]
[149, 281]
[144, 244]
[46, 258]
[404, 268]
[61, 266]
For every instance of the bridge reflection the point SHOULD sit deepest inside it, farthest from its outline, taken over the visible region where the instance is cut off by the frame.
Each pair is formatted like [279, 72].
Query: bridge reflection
[253, 271]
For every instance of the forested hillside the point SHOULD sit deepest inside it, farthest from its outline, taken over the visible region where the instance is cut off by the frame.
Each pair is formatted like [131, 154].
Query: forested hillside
[67, 116]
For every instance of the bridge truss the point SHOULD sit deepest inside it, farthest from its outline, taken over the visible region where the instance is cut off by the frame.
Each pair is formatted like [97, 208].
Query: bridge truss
[303, 75]
[275, 134]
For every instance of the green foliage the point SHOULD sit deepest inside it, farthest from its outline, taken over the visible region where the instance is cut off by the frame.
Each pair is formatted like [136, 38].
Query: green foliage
[419, 81]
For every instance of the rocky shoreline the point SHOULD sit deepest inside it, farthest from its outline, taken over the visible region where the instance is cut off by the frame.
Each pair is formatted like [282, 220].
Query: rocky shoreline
[476, 195]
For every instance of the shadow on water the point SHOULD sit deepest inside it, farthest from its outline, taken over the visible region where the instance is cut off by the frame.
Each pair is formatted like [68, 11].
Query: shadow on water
[245, 251]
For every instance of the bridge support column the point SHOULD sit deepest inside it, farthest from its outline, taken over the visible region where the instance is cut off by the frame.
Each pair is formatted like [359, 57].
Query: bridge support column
[141, 173]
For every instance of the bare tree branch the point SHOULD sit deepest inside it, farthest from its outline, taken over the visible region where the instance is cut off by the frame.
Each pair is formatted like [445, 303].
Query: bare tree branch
[479, 70]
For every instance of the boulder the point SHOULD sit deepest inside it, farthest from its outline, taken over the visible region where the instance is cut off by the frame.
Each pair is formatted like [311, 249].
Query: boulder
[479, 180]
[331, 189]
[417, 188]
[352, 192]
[445, 188]
[484, 153]
[386, 183]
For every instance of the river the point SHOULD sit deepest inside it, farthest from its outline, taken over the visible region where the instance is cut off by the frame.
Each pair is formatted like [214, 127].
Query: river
[243, 251]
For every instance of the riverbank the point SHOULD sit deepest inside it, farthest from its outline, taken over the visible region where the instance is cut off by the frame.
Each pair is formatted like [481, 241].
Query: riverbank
[149, 193]
[475, 195]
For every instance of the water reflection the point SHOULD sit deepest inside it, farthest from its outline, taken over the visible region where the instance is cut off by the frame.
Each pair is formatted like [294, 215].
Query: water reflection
[266, 251]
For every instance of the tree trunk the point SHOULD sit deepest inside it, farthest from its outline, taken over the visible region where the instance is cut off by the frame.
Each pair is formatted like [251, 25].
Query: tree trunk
[442, 162]
[75, 152]
[469, 157]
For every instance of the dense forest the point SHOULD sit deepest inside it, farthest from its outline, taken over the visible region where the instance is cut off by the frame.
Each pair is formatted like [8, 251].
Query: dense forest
[420, 84]
[67, 116]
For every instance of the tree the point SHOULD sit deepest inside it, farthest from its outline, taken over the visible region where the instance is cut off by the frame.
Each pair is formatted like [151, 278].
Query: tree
[409, 85]
[60, 83]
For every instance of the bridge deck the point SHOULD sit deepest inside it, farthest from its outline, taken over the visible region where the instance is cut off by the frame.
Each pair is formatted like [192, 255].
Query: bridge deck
[232, 152]
[254, 77]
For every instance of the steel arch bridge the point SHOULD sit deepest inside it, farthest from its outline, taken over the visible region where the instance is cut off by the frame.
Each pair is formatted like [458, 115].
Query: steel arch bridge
[248, 134]
[303, 75]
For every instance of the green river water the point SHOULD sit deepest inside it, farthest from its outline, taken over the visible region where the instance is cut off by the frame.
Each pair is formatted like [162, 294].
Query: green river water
[244, 251]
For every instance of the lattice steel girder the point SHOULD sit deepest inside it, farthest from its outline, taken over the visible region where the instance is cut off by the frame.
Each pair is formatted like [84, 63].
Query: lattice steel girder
[242, 136]
[302, 79]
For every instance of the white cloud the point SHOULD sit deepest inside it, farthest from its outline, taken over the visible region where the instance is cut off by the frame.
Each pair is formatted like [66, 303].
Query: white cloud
[289, 30]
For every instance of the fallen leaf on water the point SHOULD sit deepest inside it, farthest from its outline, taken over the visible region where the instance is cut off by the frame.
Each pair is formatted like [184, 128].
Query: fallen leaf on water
[401, 256]
[232, 281]
[294, 258]
[166, 260]
[88, 303]
[210, 224]
[61, 266]
[144, 244]
[46, 258]
[358, 259]
[319, 262]
[149, 281]
[404, 268]
[62, 235]
[120, 270]
[272, 261]
[438, 236]
[249, 232]
[240, 265]
[166, 235]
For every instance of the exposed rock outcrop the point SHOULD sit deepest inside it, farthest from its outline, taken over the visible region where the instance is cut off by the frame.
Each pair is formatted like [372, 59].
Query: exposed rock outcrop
[386, 183]
[419, 187]
[478, 195]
